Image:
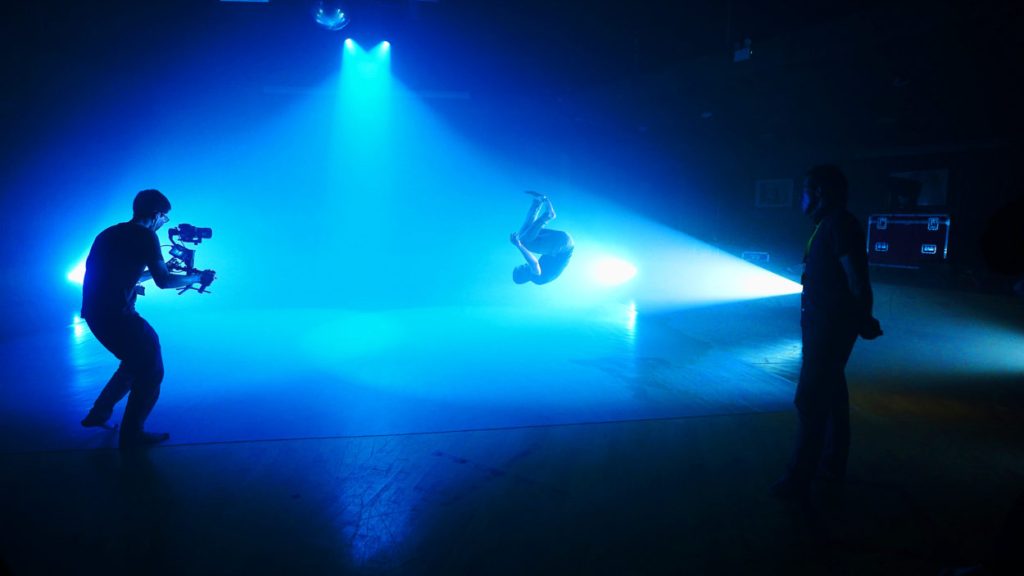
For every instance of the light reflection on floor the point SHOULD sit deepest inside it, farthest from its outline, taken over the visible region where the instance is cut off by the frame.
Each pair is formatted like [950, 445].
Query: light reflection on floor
[268, 374]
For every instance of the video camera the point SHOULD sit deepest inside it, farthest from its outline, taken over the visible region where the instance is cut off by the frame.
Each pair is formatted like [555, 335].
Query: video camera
[183, 259]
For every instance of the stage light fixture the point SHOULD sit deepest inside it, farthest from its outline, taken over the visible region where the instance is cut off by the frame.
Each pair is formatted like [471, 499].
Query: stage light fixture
[330, 15]
[382, 50]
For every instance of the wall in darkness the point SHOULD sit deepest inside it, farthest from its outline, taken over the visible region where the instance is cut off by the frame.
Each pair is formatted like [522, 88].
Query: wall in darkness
[876, 90]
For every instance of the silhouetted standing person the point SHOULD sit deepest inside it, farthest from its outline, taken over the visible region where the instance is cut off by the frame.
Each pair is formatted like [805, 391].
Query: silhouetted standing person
[554, 246]
[836, 307]
[120, 257]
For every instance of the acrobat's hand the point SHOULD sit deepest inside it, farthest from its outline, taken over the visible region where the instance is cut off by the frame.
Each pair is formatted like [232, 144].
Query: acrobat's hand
[514, 238]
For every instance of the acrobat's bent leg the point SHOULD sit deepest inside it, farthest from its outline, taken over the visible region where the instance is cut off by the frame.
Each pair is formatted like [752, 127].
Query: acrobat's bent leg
[533, 223]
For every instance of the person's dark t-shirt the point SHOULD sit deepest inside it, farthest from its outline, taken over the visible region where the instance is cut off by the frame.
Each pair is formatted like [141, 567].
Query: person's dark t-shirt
[826, 289]
[552, 265]
[116, 261]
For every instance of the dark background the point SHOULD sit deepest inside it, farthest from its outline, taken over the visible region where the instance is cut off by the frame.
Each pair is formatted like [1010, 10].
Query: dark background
[651, 87]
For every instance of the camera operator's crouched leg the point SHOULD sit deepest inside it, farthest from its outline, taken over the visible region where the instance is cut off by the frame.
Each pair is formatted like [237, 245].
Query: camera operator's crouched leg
[117, 388]
[117, 334]
[147, 367]
[144, 394]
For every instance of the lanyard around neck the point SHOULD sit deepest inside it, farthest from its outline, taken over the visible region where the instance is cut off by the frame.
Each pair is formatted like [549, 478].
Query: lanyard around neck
[807, 248]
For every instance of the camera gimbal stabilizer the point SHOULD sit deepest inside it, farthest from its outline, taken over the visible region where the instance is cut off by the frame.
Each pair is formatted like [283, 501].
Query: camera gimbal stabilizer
[183, 259]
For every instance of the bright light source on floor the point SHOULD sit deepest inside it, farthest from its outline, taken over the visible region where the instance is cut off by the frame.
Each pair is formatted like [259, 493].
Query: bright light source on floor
[611, 271]
[77, 274]
[659, 267]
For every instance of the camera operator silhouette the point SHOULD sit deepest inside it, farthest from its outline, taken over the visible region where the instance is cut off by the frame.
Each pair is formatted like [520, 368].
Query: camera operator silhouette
[121, 256]
[554, 246]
